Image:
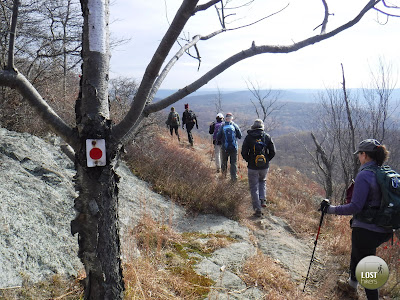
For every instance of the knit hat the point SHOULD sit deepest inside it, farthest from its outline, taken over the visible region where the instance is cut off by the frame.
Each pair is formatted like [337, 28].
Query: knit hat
[228, 117]
[258, 124]
[368, 145]
[186, 105]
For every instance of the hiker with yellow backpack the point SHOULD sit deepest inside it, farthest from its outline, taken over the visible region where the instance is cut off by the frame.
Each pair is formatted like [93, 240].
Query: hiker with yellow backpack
[257, 150]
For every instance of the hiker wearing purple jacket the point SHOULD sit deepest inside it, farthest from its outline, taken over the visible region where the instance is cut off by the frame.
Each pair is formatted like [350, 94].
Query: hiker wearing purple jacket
[366, 237]
[214, 128]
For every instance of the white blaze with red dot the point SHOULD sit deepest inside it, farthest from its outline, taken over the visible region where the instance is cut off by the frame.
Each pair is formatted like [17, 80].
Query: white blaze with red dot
[96, 152]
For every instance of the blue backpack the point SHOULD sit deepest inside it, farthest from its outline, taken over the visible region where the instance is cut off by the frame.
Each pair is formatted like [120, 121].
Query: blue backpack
[230, 143]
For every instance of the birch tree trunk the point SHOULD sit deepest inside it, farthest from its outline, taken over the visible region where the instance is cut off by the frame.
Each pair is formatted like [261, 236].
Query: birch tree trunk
[97, 204]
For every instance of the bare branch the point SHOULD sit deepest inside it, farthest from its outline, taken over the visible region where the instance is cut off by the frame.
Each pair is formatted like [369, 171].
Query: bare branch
[17, 81]
[385, 13]
[326, 16]
[255, 22]
[236, 7]
[168, 67]
[205, 6]
[13, 32]
[389, 6]
[151, 73]
[250, 52]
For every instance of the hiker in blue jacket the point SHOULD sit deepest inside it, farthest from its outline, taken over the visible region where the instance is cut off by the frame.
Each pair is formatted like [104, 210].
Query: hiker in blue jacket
[257, 150]
[365, 237]
[228, 134]
[214, 128]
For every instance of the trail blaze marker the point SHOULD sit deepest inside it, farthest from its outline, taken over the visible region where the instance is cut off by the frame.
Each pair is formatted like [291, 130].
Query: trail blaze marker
[95, 152]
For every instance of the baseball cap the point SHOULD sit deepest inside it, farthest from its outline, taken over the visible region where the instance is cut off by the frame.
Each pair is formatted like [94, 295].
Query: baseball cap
[368, 145]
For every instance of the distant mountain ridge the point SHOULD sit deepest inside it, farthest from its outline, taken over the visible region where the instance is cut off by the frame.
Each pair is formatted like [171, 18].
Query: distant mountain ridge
[295, 110]
[295, 95]
[297, 113]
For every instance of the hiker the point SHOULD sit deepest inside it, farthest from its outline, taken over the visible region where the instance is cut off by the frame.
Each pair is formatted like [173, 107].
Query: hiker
[214, 128]
[173, 122]
[257, 150]
[365, 237]
[228, 133]
[189, 119]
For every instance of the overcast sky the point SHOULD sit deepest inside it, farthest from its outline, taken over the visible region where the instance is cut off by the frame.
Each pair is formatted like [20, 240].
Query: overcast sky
[318, 66]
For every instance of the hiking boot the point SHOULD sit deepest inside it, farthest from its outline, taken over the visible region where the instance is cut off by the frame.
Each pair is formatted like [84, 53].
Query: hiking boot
[345, 287]
[263, 203]
[258, 213]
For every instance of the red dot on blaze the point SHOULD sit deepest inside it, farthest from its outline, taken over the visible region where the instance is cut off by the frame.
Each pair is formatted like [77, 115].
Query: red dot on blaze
[95, 153]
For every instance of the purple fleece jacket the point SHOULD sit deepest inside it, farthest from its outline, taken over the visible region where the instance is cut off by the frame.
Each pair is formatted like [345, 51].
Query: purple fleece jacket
[366, 190]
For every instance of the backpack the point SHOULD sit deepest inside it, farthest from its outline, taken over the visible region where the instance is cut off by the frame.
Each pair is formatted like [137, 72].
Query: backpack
[217, 126]
[229, 138]
[174, 119]
[190, 117]
[259, 152]
[388, 214]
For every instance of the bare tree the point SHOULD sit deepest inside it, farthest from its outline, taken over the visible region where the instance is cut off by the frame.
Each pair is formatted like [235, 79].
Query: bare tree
[97, 203]
[266, 103]
[378, 96]
[218, 102]
[348, 120]
[339, 130]
[62, 43]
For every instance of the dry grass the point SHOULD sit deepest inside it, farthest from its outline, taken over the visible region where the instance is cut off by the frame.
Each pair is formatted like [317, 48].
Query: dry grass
[56, 288]
[185, 175]
[265, 273]
[389, 252]
[294, 197]
[163, 269]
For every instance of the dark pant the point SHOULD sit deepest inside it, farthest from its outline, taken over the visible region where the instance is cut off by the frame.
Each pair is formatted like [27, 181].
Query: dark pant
[233, 160]
[364, 243]
[189, 127]
[174, 128]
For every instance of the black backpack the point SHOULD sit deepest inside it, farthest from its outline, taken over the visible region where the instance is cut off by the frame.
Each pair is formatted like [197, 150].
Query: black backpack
[259, 154]
[190, 117]
[388, 214]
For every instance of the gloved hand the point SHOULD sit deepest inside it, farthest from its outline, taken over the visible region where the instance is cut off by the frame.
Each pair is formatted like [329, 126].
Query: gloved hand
[324, 206]
[197, 126]
[183, 127]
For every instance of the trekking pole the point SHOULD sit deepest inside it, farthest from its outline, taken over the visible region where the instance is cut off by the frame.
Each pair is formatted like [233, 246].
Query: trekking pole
[315, 246]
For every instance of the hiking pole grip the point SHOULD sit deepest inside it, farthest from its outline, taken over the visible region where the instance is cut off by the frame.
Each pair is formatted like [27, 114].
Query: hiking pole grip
[315, 246]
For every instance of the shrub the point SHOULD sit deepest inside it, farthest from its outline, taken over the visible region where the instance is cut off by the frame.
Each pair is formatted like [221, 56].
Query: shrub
[185, 176]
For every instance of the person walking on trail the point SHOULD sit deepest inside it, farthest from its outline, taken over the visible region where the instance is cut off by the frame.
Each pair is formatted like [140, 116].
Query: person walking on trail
[365, 237]
[228, 134]
[173, 122]
[214, 128]
[189, 119]
[258, 149]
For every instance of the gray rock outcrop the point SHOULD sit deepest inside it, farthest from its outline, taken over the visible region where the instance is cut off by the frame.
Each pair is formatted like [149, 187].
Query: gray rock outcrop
[37, 197]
